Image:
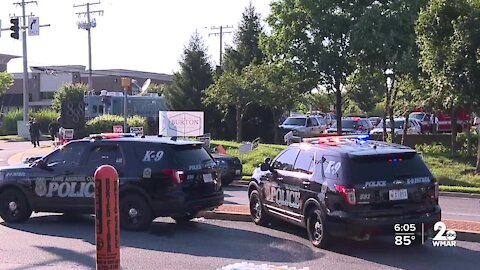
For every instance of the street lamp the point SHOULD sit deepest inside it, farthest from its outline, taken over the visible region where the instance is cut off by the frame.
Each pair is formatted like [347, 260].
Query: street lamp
[126, 84]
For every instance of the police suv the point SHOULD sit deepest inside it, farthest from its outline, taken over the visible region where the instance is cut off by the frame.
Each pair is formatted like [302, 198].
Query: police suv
[157, 177]
[346, 186]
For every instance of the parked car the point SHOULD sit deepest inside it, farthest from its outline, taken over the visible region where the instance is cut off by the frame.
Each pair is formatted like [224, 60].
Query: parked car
[353, 125]
[230, 168]
[414, 126]
[304, 126]
[346, 186]
[425, 120]
[157, 177]
[375, 120]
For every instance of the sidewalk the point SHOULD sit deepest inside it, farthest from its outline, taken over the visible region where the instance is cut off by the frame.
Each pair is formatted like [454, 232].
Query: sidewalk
[466, 230]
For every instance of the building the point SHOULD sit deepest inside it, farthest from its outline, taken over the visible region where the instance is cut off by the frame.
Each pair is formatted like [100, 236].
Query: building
[44, 81]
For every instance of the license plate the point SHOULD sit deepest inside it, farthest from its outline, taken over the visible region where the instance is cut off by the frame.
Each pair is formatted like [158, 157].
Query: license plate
[238, 172]
[398, 194]
[207, 178]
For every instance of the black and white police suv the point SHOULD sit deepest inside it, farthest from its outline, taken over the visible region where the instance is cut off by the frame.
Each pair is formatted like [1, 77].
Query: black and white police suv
[157, 177]
[346, 186]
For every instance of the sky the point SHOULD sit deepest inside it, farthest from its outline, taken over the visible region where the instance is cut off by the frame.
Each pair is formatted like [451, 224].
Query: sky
[144, 35]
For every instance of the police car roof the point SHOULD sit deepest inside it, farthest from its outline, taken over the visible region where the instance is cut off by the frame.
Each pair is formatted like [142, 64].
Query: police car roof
[358, 148]
[149, 139]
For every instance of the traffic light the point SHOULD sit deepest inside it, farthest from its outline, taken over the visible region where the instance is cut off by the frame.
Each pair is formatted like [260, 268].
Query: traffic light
[15, 28]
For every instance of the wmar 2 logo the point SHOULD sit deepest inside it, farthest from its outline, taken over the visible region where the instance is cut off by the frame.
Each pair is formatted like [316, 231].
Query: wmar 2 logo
[444, 238]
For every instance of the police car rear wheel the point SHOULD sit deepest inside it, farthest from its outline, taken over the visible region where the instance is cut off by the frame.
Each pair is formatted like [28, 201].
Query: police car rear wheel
[256, 209]
[316, 228]
[135, 214]
[14, 206]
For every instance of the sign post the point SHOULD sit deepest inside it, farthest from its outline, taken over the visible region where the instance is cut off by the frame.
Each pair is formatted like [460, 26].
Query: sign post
[126, 84]
[107, 219]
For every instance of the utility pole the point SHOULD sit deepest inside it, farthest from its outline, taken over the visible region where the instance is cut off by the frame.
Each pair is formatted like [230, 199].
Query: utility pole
[220, 33]
[25, 64]
[88, 25]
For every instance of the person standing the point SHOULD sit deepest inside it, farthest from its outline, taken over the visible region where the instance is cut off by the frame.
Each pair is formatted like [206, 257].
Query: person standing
[434, 121]
[35, 133]
[53, 128]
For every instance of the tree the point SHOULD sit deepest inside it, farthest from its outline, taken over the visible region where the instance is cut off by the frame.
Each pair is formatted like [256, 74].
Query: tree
[365, 87]
[314, 36]
[448, 34]
[230, 90]
[383, 40]
[69, 92]
[6, 81]
[246, 48]
[158, 88]
[189, 85]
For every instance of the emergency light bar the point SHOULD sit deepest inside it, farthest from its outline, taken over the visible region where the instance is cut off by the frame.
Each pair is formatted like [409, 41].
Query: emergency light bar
[335, 140]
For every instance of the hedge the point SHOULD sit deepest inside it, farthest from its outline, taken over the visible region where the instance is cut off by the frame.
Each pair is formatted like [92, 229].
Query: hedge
[105, 123]
[9, 126]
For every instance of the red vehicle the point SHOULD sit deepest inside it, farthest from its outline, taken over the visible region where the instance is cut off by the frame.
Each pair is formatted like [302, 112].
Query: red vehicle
[444, 120]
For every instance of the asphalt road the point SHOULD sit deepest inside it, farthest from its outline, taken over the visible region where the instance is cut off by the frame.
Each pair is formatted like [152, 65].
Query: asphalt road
[452, 207]
[49, 241]
[9, 149]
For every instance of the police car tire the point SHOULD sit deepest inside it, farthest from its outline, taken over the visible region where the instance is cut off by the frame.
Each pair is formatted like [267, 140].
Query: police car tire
[137, 202]
[14, 195]
[315, 215]
[261, 218]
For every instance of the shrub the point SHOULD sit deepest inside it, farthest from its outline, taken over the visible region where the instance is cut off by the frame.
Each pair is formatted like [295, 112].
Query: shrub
[105, 123]
[10, 121]
[462, 142]
[70, 92]
[44, 117]
[432, 149]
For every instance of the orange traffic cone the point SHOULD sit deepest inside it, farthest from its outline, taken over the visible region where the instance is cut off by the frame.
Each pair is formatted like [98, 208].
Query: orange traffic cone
[221, 150]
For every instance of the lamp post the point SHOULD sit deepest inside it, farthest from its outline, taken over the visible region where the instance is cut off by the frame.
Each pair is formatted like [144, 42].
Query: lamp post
[390, 77]
[126, 84]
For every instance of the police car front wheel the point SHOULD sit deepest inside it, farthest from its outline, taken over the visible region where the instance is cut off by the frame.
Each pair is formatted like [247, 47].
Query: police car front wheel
[256, 209]
[135, 213]
[316, 228]
[14, 206]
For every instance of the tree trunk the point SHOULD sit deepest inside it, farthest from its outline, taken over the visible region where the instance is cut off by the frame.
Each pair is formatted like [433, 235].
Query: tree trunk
[478, 151]
[238, 118]
[276, 139]
[469, 136]
[454, 130]
[392, 108]
[405, 128]
[387, 109]
[338, 101]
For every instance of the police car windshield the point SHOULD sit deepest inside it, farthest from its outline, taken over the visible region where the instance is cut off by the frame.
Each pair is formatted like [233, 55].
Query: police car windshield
[386, 168]
[295, 121]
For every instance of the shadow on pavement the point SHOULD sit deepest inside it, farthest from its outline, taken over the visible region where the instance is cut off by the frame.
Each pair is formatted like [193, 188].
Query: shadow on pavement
[195, 238]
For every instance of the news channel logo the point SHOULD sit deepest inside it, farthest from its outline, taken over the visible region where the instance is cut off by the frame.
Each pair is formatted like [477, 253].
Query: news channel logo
[408, 233]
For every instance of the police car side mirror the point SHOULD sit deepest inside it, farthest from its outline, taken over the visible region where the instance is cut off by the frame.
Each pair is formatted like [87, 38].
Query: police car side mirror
[43, 165]
[265, 166]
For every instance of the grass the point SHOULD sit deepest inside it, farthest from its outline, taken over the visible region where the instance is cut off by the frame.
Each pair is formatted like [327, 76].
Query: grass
[11, 138]
[453, 173]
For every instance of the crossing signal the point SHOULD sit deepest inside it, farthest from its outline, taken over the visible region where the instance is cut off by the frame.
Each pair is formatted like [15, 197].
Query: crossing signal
[15, 28]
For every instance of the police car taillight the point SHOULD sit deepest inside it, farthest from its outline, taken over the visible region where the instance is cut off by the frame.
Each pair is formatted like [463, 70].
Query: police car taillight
[177, 176]
[347, 193]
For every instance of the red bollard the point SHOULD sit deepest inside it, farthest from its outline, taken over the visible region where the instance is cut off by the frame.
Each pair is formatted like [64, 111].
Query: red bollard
[107, 218]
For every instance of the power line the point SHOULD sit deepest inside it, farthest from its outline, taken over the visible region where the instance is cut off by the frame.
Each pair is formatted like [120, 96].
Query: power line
[89, 24]
[220, 33]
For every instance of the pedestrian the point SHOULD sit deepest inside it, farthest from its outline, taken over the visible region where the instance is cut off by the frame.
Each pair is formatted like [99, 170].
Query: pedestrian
[34, 129]
[434, 121]
[53, 128]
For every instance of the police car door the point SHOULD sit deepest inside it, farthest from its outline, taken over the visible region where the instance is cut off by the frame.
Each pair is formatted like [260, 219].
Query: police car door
[56, 185]
[104, 153]
[301, 184]
[276, 194]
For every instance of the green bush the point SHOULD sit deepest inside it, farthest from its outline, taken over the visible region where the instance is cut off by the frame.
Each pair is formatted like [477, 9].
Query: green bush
[462, 142]
[432, 149]
[105, 123]
[9, 126]
[44, 117]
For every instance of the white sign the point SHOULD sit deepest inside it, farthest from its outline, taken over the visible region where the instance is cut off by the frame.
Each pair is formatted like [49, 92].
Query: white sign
[137, 130]
[288, 136]
[245, 148]
[255, 143]
[68, 134]
[180, 123]
[33, 26]
[117, 129]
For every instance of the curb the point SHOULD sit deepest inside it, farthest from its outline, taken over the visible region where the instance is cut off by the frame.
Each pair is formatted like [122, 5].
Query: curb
[460, 194]
[462, 235]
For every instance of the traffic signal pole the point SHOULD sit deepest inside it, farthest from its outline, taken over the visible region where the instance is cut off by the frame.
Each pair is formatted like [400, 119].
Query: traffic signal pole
[25, 67]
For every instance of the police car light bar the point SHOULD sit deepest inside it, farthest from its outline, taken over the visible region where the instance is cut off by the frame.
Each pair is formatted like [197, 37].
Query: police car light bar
[336, 139]
[111, 135]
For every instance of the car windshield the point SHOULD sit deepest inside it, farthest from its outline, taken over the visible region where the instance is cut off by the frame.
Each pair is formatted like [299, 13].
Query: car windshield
[294, 121]
[398, 124]
[347, 123]
[418, 116]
